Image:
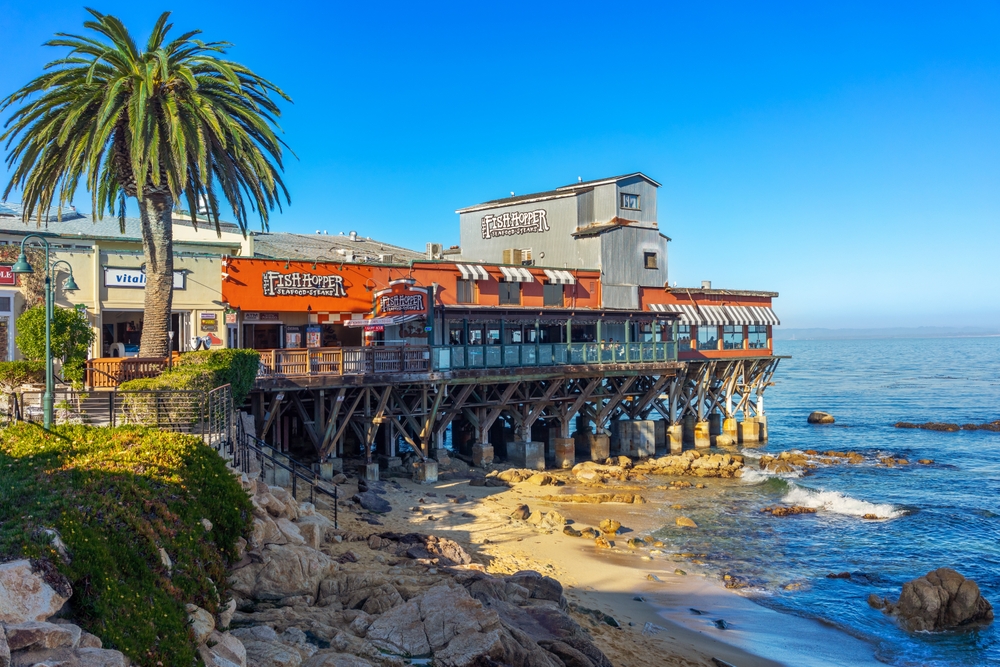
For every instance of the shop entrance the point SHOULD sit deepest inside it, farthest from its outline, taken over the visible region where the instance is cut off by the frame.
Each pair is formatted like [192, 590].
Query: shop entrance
[262, 336]
[121, 331]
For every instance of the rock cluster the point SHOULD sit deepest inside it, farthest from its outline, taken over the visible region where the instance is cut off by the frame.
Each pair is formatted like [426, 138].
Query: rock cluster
[691, 464]
[30, 596]
[307, 604]
[597, 498]
[941, 426]
[940, 600]
[804, 461]
[788, 511]
[818, 417]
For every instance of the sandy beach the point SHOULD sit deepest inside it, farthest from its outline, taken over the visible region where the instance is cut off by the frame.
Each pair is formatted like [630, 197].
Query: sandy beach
[638, 588]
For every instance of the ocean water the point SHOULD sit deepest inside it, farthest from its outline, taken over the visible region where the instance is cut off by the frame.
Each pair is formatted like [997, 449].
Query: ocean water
[944, 514]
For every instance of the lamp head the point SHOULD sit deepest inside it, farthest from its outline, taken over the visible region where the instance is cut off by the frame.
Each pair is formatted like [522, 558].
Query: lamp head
[70, 284]
[22, 265]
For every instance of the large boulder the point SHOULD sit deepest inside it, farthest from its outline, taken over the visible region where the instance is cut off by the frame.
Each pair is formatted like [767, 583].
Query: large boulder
[334, 659]
[818, 417]
[427, 623]
[940, 600]
[223, 650]
[39, 635]
[30, 593]
[372, 502]
[287, 571]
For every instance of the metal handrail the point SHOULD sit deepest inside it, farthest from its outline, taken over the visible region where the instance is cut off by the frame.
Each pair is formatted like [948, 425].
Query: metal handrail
[248, 444]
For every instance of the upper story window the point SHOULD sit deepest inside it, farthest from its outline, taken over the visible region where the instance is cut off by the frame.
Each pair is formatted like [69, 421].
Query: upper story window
[630, 202]
[649, 260]
[510, 294]
[465, 291]
[5, 304]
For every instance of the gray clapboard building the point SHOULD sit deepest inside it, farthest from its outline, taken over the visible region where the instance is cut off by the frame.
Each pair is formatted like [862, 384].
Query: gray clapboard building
[608, 224]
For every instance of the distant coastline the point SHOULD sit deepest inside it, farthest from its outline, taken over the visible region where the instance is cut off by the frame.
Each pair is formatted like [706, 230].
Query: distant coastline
[782, 333]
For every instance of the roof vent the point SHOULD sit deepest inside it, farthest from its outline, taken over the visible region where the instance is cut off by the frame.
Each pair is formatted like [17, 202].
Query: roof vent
[706, 284]
[354, 236]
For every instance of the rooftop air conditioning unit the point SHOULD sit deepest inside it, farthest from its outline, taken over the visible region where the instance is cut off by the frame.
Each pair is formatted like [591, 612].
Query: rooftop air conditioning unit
[434, 250]
[512, 256]
[386, 258]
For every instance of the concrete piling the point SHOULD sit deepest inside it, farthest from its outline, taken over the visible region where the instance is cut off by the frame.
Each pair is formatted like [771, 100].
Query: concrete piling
[702, 438]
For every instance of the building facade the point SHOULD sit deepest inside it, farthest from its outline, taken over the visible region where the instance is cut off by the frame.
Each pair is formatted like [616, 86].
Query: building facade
[609, 225]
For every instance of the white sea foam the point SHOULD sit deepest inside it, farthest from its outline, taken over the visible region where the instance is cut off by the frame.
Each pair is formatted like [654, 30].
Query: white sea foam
[838, 503]
[753, 476]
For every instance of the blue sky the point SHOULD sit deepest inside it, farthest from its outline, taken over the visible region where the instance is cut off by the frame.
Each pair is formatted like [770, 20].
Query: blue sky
[846, 156]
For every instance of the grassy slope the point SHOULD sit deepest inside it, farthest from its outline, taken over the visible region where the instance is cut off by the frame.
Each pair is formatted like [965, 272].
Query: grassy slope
[116, 496]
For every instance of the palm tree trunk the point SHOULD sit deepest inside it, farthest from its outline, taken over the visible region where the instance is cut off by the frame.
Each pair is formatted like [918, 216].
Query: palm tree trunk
[156, 212]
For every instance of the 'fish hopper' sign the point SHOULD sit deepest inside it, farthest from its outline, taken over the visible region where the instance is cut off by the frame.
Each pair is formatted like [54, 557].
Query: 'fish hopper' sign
[302, 284]
[514, 222]
[399, 303]
[136, 278]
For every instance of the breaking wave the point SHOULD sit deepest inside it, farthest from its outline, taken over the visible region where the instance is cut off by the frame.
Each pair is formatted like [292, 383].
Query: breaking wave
[837, 503]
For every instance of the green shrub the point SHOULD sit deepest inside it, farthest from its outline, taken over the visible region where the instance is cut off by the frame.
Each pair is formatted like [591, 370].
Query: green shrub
[205, 370]
[117, 496]
[15, 373]
[71, 338]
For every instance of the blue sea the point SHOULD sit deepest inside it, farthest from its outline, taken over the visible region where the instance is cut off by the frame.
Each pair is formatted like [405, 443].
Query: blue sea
[942, 515]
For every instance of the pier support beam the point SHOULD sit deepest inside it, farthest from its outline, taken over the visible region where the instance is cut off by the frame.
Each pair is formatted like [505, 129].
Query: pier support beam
[527, 454]
[660, 437]
[729, 427]
[762, 428]
[565, 452]
[715, 424]
[637, 438]
[688, 423]
[749, 430]
[675, 437]
[425, 472]
[482, 454]
[702, 438]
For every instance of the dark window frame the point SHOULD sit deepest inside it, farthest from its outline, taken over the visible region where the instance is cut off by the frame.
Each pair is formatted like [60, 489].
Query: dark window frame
[648, 255]
[510, 293]
[549, 292]
[465, 291]
[638, 201]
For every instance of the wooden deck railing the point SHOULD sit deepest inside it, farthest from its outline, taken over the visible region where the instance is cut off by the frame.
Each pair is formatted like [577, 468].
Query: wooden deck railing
[109, 372]
[345, 361]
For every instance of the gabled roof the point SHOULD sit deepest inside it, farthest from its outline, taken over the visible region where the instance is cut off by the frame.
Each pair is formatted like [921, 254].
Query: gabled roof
[604, 181]
[564, 191]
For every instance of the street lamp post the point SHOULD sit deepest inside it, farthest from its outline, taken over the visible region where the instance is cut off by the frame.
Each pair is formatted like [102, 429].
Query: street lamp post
[22, 266]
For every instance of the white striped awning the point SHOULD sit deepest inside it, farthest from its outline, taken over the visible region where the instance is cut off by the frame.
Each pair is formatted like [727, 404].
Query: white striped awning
[516, 274]
[473, 272]
[719, 315]
[557, 277]
[689, 314]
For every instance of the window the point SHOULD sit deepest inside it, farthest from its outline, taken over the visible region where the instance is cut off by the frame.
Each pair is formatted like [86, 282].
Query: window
[553, 295]
[630, 202]
[758, 337]
[4, 304]
[683, 336]
[649, 260]
[732, 337]
[455, 336]
[475, 336]
[492, 336]
[708, 338]
[510, 294]
[466, 291]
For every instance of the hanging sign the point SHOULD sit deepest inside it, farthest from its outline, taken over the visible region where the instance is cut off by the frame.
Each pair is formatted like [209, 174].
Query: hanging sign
[302, 284]
[514, 222]
[7, 276]
[136, 278]
[230, 318]
[374, 322]
[401, 297]
[375, 328]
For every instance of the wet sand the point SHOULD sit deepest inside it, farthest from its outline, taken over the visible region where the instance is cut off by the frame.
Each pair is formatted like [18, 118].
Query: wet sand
[657, 629]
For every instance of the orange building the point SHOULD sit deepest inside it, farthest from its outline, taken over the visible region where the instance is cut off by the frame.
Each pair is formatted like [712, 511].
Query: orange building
[716, 323]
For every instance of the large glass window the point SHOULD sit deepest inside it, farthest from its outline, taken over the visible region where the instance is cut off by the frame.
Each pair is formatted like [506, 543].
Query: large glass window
[732, 337]
[758, 337]
[708, 338]
[493, 336]
[553, 295]
[465, 291]
[683, 336]
[456, 336]
[475, 336]
[510, 294]
[630, 201]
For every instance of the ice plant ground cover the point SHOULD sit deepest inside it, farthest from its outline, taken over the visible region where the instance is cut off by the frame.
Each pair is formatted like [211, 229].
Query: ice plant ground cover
[115, 497]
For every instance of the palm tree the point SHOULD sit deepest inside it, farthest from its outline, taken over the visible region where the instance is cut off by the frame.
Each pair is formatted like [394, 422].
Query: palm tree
[176, 122]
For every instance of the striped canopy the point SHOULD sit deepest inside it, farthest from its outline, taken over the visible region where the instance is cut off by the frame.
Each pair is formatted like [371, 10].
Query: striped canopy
[719, 315]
